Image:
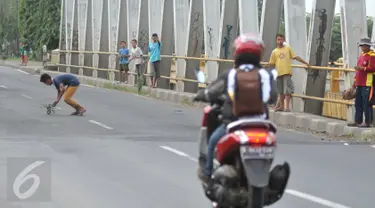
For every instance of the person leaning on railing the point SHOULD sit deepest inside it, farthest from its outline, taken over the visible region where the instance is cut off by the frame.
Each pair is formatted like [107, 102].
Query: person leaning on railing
[363, 83]
[281, 58]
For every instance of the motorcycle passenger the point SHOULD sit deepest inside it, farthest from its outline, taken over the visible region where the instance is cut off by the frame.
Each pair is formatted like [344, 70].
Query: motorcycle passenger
[248, 51]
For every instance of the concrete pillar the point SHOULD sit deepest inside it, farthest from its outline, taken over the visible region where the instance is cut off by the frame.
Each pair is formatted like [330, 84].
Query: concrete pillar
[248, 15]
[133, 8]
[104, 46]
[69, 12]
[211, 24]
[167, 37]
[97, 11]
[123, 28]
[143, 34]
[295, 29]
[155, 17]
[181, 15]
[113, 28]
[143, 31]
[83, 6]
[227, 32]
[89, 39]
[319, 45]
[194, 42]
[62, 43]
[269, 27]
[353, 28]
[74, 57]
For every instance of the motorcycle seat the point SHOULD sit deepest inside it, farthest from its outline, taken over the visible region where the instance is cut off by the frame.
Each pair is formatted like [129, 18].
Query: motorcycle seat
[251, 122]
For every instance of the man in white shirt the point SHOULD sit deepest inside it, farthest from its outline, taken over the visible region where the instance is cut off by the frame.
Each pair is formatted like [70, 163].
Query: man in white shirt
[136, 55]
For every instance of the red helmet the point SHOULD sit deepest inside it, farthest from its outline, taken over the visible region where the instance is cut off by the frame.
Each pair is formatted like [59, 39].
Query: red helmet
[248, 43]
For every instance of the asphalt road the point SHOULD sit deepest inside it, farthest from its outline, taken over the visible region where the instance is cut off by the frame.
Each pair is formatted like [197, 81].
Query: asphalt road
[132, 151]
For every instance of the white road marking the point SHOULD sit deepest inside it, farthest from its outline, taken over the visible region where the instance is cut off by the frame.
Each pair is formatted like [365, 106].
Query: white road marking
[315, 199]
[85, 85]
[58, 108]
[177, 152]
[292, 192]
[28, 97]
[373, 146]
[3, 86]
[174, 151]
[19, 70]
[100, 124]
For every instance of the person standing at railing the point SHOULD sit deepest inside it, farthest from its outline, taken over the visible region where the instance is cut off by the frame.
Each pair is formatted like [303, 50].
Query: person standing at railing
[363, 83]
[281, 59]
[136, 55]
[154, 49]
[124, 61]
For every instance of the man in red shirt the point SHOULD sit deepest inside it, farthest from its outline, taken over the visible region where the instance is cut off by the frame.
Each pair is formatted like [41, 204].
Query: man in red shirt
[365, 70]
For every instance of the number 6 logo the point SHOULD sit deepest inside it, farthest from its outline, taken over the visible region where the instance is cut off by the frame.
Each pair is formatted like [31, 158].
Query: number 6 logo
[23, 177]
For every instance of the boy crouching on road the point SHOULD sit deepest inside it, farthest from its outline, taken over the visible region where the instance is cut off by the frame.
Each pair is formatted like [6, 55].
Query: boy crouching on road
[64, 83]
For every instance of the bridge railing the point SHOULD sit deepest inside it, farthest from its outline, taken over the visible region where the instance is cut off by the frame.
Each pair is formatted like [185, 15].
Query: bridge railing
[336, 104]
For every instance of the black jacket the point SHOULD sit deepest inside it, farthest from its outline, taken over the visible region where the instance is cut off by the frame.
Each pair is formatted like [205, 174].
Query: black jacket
[217, 91]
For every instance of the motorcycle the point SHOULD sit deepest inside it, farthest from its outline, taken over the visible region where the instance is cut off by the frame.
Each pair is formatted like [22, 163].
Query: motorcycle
[243, 159]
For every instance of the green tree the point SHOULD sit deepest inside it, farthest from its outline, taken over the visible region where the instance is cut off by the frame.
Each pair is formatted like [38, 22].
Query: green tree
[336, 42]
[8, 26]
[39, 24]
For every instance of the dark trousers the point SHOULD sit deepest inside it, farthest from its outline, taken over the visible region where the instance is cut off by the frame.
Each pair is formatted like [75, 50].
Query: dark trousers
[362, 105]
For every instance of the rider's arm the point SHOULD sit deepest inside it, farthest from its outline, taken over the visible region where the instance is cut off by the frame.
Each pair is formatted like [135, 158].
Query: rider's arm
[217, 88]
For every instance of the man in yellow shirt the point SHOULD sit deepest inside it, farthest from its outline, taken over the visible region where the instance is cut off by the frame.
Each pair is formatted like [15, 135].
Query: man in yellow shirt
[281, 59]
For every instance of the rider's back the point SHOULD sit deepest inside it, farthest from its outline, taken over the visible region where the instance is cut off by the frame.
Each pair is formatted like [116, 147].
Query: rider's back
[249, 89]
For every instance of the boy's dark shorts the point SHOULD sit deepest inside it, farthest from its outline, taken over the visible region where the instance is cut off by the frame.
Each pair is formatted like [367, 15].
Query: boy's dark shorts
[155, 69]
[124, 67]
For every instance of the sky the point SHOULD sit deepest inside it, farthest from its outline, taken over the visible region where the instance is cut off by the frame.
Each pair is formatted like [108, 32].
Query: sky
[370, 5]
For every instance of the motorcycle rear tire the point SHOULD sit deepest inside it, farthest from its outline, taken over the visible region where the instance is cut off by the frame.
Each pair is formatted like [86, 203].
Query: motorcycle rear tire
[257, 198]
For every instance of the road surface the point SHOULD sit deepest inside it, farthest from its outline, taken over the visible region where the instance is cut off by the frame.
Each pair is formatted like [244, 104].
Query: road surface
[132, 151]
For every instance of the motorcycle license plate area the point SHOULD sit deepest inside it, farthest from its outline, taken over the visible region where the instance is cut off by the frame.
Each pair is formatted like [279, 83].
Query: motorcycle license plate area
[257, 152]
[257, 161]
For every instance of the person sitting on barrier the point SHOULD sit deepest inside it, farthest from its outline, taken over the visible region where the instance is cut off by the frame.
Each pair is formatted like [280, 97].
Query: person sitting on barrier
[364, 83]
[71, 83]
[248, 51]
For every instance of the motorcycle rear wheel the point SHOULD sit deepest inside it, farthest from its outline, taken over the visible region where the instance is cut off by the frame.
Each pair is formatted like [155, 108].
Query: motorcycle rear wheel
[257, 198]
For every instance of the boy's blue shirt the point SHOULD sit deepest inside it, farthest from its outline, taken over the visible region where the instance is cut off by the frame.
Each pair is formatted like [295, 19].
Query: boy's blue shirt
[66, 80]
[154, 49]
[124, 51]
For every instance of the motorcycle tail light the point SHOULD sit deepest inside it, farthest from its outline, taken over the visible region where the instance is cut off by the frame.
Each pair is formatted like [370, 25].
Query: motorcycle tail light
[260, 137]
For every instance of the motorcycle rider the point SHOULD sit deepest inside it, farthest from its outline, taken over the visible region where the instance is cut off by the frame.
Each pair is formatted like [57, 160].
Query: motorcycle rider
[248, 52]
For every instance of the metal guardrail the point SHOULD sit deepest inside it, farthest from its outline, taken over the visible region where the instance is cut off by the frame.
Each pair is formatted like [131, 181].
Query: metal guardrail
[265, 64]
